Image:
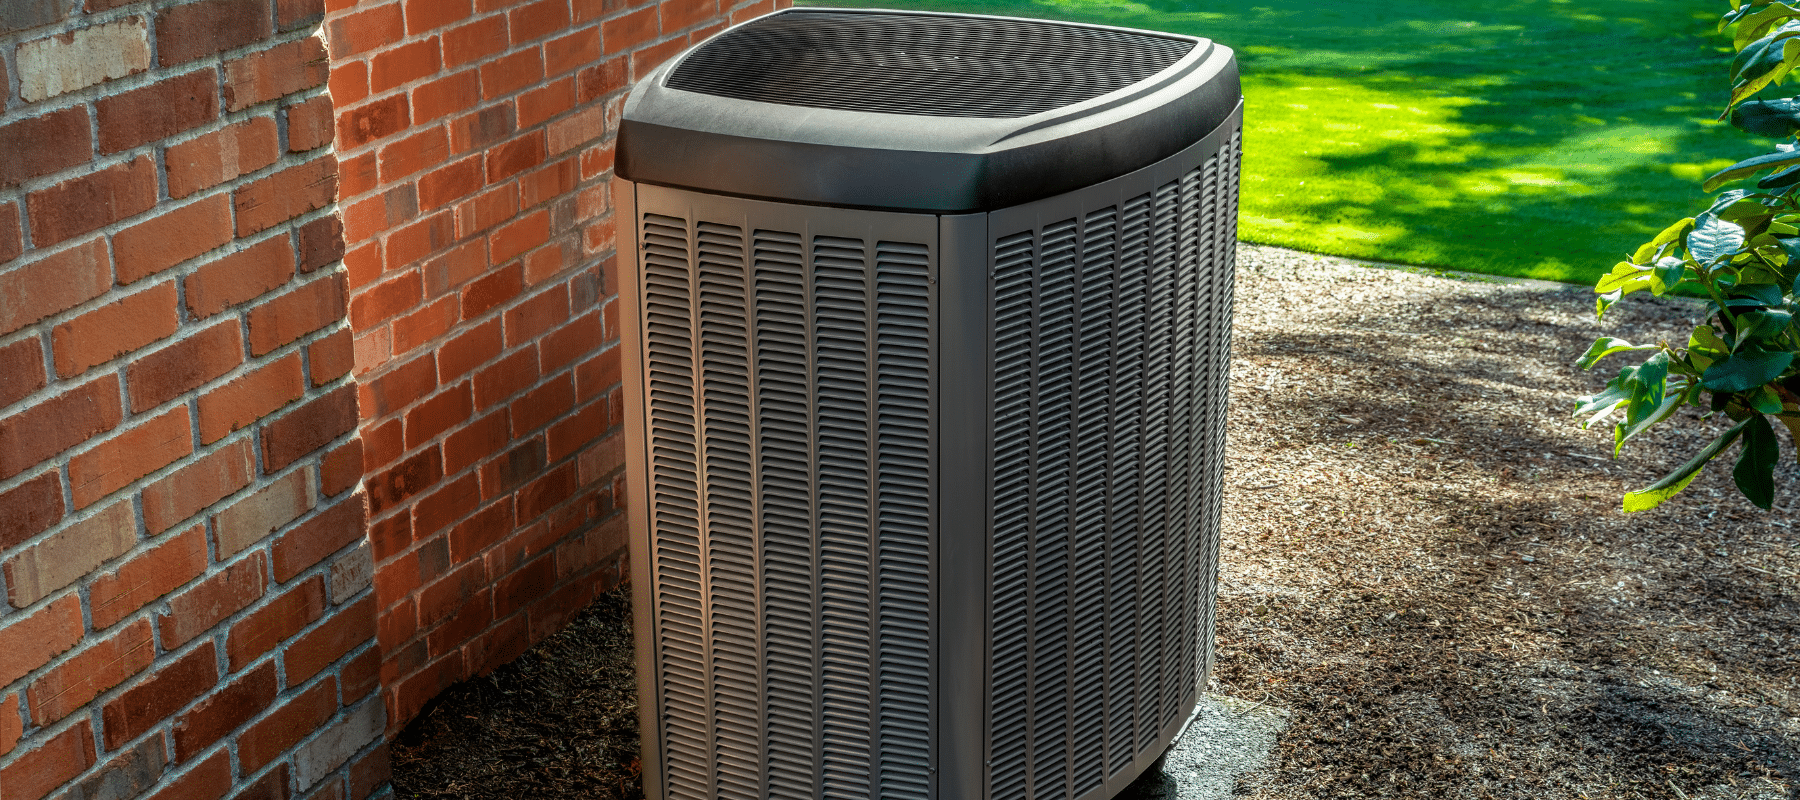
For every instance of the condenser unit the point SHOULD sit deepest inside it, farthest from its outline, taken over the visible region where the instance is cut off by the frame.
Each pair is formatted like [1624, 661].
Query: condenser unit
[925, 330]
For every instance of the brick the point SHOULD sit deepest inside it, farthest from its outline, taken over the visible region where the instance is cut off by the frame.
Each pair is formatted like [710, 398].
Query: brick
[370, 773]
[472, 347]
[421, 327]
[291, 14]
[475, 41]
[540, 104]
[218, 715]
[158, 697]
[128, 775]
[350, 574]
[12, 726]
[569, 436]
[398, 66]
[512, 73]
[463, 626]
[219, 156]
[273, 785]
[240, 277]
[15, 17]
[361, 676]
[187, 32]
[361, 32]
[80, 58]
[70, 685]
[321, 243]
[268, 738]
[281, 320]
[373, 120]
[546, 184]
[538, 20]
[44, 144]
[171, 237]
[536, 316]
[678, 14]
[471, 443]
[348, 629]
[157, 111]
[276, 72]
[515, 157]
[607, 77]
[382, 444]
[186, 364]
[341, 469]
[92, 201]
[524, 585]
[445, 96]
[11, 241]
[493, 290]
[399, 387]
[413, 154]
[517, 466]
[304, 430]
[209, 780]
[482, 129]
[389, 536]
[441, 509]
[427, 15]
[547, 262]
[514, 239]
[310, 124]
[547, 492]
[455, 268]
[313, 540]
[250, 397]
[52, 285]
[190, 489]
[263, 629]
[220, 595]
[543, 404]
[29, 509]
[335, 745]
[250, 520]
[57, 761]
[121, 460]
[628, 31]
[147, 577]
[30, 641]
[331, 357]
[285, 195]
[581, 553]
[511, 375]
[649, 58]
[109, 331]
[596, 376]
[349, 83]
[401, 482]
[444, 596]
[595, 162]
[571, 52]
[51, 426]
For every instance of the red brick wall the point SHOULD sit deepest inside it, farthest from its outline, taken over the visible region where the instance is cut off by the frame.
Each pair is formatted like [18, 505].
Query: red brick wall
[188, 606]
[476, 145]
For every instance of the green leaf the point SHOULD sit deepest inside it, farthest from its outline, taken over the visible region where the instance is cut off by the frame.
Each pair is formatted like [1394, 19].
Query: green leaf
[1766, 295]
[1761, 326]
[1714, 239]
[1771, 59]
[1651, 249]
[1653, 495]
[1744, 371]
[1606, 346]
[1753, 26]
[1668, 273]
[1598, 406]
[1642, 416]
[1705, 347]
[1766, 401]
[1755, 470]
[1782, 178]
[1784, 156]
[1776, 119]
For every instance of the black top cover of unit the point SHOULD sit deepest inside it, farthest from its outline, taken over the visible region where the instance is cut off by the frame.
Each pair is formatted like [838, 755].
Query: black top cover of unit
[914, 111]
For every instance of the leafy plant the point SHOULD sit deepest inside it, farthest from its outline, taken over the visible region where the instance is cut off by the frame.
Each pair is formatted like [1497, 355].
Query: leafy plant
[1743, 255]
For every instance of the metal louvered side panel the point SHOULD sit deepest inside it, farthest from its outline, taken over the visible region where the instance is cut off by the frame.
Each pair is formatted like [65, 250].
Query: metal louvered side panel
[1185, 486]
[840, 331]
[786, 509]
[1159, 334]
[1050, 553]
[675, 506]
[1014, 343]
[1091, 652]
[1224, 245]
[1125, 476]
[903, 513]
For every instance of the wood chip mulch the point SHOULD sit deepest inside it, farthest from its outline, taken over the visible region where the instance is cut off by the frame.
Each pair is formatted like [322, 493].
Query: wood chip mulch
[1424, 561]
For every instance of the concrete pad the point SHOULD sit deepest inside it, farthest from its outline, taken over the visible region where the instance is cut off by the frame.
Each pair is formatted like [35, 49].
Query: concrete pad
[1228, 740]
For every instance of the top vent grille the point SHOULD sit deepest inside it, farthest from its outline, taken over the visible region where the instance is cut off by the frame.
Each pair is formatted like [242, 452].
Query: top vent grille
[928, 65]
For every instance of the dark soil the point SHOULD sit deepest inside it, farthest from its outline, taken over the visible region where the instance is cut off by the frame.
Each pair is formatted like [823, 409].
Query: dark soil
[1424, 561]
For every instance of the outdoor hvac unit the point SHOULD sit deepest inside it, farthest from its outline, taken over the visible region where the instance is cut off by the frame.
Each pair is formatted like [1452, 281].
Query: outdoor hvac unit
[925, 344]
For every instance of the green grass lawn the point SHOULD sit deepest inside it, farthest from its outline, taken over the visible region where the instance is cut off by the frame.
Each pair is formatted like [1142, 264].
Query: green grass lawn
[1535, 138]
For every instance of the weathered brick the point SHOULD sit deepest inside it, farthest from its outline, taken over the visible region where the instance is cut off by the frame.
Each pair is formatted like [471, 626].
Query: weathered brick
[575, 432]
[473, 346]
[147, 577]
[30, 641]
[321, 243]
[399, 387]
[604, 79]
[514, 157]
[12, 241]
[58, 760]
[187, 32]
[291, 14]
[349, 83]
[29, 509]
[528, 320]
[130, 455]
[201, 483]
[505, 378]
[482, 129]
[376, 119]
[91, 201]
[186, 364]
[515, 238]
[268, 738]
[171, 237]
[331, 357]
[282, 319]
[439, 510]
[109, 331]
[51, 285]
[415, 153]
[422, 326]
[44, 144]
[21, 371]
[550, 182]
[447, 95]
[12, 726]
[68, 686]
[220, 595]
[158, 697]
[239, 702]
[361, 676]
[47, 428]
[426, 15]
[524, 585]
[511, 73]
[411, 245]
[157, 111]
[410, 477]
[282, 617]
[369, 773]
[351, 573]
[678, 14]
[329, 750]
[250, 397]
[79, 58]
[253, 518]
[475, 41]
[397, 66]
[538, 20]
[382, 444]
[209, 780]
[572, 51]
[276, 72]
[648, 58]
[543, 404]
[313, 540]
[240, 276]
[313, 425]
[222, 155]
[285, 195]
[540, 104]
[310, 124]
[547, 492]
[341, 469]
[347, 629]
[129, 774]
[628, 31]
[579, 337]
[363, 31]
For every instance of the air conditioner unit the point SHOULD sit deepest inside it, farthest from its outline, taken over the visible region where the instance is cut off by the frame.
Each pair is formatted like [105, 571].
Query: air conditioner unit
[925, 329]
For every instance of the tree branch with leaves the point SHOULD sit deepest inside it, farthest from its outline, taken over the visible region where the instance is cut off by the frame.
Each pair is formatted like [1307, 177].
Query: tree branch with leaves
[1743, 255]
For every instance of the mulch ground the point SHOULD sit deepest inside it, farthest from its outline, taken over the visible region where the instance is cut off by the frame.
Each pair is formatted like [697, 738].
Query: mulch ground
[1424, 561]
